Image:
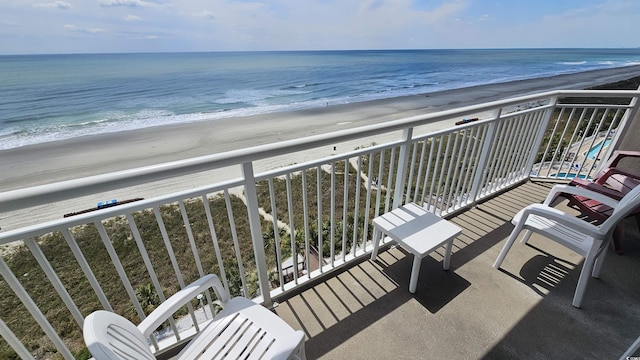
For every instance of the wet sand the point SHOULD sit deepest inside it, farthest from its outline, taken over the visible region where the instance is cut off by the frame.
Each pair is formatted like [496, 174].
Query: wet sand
[93, 155]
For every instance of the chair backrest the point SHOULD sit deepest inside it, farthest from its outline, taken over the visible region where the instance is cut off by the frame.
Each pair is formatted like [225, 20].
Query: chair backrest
[109, 336]
[629, 203]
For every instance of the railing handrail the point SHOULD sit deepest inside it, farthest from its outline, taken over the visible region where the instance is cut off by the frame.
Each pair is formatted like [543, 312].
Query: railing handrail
[42, 194]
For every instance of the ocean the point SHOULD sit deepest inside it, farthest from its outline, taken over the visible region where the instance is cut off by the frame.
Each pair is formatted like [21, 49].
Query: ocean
[53, 97]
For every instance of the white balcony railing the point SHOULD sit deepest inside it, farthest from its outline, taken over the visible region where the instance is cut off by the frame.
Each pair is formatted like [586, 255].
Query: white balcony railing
[268, 233]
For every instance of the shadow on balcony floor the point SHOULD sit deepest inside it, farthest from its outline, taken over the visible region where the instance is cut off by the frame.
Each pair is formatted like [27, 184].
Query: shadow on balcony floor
[474, 311]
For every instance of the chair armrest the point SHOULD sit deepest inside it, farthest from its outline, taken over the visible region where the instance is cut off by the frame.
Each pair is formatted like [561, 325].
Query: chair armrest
[580, 191]
[615, 194]
[559, 217]
[181, 298]
[619, 155]
[617, 171]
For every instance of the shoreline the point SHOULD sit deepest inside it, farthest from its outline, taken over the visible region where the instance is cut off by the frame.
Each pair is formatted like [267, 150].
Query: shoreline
[103, 153]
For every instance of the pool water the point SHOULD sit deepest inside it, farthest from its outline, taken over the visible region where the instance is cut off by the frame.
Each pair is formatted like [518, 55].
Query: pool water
[596, 149]
[569, 176]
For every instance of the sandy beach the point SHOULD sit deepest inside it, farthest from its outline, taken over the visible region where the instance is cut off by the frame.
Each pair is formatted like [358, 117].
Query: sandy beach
[93, 155]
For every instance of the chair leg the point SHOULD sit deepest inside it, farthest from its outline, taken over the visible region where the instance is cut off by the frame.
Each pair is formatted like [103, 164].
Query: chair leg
[301, 352]
[527, 235]
[585, 274]
[447, 255]
[598, 263]
[618, 237]
[507, 246]
[631, 350]
[377, 234]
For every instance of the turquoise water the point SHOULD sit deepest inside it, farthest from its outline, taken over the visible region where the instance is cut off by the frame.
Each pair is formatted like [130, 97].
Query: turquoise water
[596, 149]
[569, 176]
[52, 97]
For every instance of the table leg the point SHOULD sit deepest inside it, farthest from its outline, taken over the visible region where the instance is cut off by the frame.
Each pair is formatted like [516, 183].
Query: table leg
[376, 243]
[415, 271]
[447, 255]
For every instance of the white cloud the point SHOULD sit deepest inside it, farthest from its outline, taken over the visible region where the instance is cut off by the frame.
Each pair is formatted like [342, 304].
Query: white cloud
[127, 3]
[75, 28]
[54, 5]
[207, 14]
[210, 25]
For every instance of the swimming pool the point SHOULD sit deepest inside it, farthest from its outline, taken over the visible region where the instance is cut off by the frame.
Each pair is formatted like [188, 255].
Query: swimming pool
[568, 176]
[596, 149]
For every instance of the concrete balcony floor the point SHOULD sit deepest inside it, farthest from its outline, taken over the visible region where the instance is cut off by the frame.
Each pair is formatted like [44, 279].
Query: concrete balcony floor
[474, 311]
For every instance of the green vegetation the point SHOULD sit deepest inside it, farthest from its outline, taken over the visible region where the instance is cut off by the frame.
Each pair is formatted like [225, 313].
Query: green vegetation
[127, 249]
[88, 238]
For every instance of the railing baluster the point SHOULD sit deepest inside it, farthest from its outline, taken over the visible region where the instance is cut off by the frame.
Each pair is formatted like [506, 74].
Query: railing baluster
[14, 342]
[440, 195]
[379, 184]
[305, 209]
[119, 269]
[367, 206]
[480, 173]
[544, 124]
[409, 185]
[256, 232]
[319, 173]
[169, 247]
[403, 160]
[192, 241]
[54, 279]
[333, 214]
[345, 204]
[436, 171]
[420, 170]
[498, 155]
[214, 240]
[292, 229]
[11, 280]
[276, 233]
[149, 266]
[236, 244]
[466, 167]
[357, 205]
[629, 114]
[82, 261]
[453, 166]
[507, 157]
[392, 161]
[428, 174]
[520, 151]
[550, 142]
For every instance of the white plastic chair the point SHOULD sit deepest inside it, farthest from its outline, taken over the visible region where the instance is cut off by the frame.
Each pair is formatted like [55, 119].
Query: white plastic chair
[584, 238]
[242, 329]
[631, 350]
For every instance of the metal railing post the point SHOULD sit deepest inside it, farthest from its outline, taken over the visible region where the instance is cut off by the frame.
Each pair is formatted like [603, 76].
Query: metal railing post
[403, 161]
[540, 136]
[482, 163]
[256, 232]
[628, 116]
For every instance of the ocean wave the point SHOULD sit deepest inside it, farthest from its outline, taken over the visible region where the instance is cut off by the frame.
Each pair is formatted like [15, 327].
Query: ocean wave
[255, 97]
[47, 105]
[300, 86]
[572, 63]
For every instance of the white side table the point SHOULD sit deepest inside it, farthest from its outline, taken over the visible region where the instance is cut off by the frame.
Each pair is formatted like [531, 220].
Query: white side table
[417, 231]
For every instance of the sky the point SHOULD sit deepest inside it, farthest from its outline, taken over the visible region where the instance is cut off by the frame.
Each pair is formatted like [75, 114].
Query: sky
[107, 26]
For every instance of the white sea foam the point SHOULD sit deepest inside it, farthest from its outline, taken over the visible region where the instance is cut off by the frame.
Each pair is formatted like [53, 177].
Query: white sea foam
[572, 62]
[48, 105]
